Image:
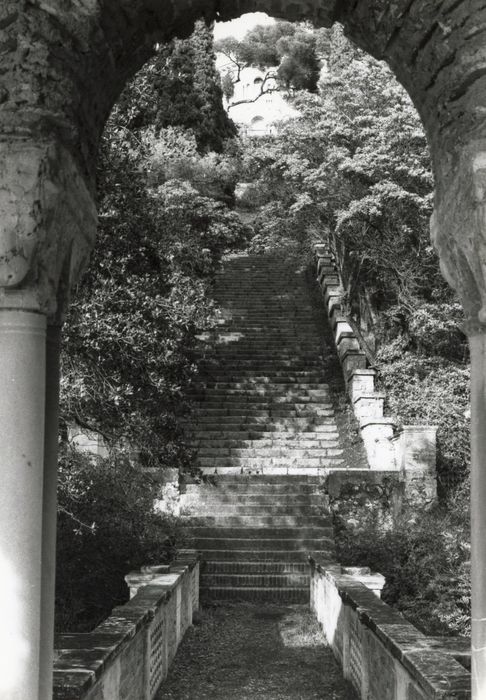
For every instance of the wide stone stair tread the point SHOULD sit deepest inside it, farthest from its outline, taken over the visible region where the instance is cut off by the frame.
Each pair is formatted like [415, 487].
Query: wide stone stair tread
[253, 521]
[270, 555]
[259, 510]
[243, 567]
[256, 580]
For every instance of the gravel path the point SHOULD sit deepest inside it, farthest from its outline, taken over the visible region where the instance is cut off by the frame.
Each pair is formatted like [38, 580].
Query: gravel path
[255, 652]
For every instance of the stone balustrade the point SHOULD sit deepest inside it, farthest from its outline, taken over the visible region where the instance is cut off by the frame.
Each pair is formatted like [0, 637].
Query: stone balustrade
[382, 655]
[412, 450]
[128, 655]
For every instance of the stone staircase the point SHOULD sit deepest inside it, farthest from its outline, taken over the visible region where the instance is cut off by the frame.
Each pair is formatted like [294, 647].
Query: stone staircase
[265, 433]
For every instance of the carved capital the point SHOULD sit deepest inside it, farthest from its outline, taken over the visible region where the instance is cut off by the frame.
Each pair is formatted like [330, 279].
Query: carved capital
[458, 228]
[47, 225]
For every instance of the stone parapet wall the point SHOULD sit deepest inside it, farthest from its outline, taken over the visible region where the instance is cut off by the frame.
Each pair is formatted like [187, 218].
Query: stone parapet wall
[382, 655]
[128, 655]
[410, 451]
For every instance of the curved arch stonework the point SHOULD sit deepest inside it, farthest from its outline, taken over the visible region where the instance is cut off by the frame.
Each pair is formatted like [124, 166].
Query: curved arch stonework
[63, 64]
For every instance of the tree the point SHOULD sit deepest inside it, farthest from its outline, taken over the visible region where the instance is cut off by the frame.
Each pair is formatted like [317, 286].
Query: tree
[181, 87]
[287, 52]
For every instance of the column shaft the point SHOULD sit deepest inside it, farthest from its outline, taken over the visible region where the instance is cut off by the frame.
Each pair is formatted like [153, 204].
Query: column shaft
[478, 513]
[22, 404]
[49, 514]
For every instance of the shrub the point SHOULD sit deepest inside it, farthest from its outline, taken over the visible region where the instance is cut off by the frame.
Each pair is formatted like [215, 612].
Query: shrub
[425, 558]
[107, 526]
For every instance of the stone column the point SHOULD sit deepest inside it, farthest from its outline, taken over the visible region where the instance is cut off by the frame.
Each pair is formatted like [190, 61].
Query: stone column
[458, 229]
[48, 222]
[22, 403]
[49, 513]
[478, 513]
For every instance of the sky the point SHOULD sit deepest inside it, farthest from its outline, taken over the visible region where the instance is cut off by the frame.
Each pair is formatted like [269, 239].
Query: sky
[239, 27]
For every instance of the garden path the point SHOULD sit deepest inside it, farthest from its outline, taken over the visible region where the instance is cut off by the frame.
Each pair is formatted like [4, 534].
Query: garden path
[245, 651]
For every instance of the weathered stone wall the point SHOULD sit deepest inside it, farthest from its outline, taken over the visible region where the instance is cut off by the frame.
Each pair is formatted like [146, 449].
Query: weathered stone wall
[128, 656]
[382, 654]
[360, 499]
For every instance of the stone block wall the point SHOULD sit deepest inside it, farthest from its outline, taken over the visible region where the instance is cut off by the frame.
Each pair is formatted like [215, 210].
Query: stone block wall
[411, 451]
[128, 656]
[381, 654]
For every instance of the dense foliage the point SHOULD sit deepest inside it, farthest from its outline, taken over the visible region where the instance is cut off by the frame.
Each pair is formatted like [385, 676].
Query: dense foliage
[288, 52]
[354, 170]
[181, 87]
[107, 527]
[425, 558]
[129, 340]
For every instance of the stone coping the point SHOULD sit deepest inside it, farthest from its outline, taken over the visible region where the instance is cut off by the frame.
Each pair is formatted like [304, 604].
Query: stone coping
[437, 673]
[82, 658]
[365, 421]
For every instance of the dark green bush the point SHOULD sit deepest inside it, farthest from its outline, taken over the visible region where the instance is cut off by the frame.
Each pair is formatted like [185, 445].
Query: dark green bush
[433, 390]
[107, 526]
[425, 558]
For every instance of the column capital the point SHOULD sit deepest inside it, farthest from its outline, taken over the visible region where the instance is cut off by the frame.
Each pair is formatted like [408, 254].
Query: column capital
[47, 225]
[458, 227]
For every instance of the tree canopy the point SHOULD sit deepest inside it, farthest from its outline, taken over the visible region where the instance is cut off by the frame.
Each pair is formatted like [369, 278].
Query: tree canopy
[288, 52]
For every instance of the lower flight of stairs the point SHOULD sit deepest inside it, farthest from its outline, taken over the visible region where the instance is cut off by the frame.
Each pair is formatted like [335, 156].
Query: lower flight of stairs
[255, 534]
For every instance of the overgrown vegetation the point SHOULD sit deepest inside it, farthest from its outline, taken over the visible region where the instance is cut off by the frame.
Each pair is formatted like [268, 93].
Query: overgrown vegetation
[128, 356]
[354, 170]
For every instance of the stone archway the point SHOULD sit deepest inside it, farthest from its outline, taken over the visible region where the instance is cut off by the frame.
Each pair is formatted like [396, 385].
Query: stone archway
[62, 66]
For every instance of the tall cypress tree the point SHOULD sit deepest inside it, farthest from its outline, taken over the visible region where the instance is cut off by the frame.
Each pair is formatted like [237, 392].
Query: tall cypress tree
[181, 87]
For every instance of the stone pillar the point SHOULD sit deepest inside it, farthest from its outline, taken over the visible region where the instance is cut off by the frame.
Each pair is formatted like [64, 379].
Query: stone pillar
[458, 228]
[49, 513]
[48, 223]
[478, 513]
[22, 404]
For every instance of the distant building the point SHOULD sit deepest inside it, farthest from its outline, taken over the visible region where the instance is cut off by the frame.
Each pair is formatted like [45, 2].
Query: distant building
[258, 115]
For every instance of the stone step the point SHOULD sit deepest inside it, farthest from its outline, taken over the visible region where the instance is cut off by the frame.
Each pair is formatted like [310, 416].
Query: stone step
[257, 498]
[240, 534]
[285, 555]
[254, 567]
[261, 431]
[271, 375]
[270, 397]
[250, 421]
[263, 388]
[289, 425]
[286, 453]
[271, 480]
[296, 580]
[248, 521]
[326, 441]
[239, 350]
[258, 510]
[203, 414]
[250, 404]
[274, 470]
[281, 461]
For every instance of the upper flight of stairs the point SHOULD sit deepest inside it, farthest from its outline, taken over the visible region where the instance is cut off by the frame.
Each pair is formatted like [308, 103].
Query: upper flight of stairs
[262, 404]
[264, 429]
